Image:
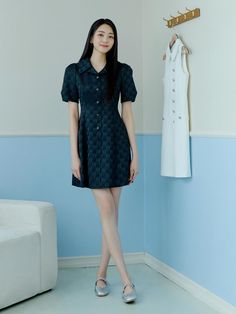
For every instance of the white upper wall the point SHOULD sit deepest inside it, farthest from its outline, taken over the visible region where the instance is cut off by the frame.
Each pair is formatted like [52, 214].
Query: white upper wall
[38, 40]
[212, 64]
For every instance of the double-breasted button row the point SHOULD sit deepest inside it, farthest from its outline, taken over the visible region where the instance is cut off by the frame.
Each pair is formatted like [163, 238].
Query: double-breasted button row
[173, 90]
[179, 117]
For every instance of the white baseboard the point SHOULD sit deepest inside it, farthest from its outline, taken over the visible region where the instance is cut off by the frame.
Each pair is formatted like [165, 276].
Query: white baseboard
[94, 260]
[195, 289]
[182, 281]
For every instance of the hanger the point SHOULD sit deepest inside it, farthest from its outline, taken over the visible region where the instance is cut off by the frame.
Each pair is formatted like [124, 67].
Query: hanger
[175, 36]
[173, 40]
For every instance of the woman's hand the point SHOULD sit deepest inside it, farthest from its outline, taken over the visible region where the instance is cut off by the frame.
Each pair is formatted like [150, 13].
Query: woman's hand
[76, 167]
[133, 169]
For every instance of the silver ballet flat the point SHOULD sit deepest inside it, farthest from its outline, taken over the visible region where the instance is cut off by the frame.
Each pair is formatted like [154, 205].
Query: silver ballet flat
[131, 296]
[102, 291]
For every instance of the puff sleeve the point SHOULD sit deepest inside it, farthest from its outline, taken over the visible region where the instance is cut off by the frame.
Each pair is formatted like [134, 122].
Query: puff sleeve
[69, 91]
[128, 89]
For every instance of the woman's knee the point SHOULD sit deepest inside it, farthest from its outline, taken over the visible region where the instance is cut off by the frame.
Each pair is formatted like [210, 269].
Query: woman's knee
[107, 210]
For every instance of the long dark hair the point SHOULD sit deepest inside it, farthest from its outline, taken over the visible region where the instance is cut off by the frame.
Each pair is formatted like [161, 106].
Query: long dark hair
[111, 56]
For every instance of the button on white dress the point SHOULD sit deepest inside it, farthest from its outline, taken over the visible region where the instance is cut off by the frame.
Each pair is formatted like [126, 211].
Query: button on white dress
[175, 148]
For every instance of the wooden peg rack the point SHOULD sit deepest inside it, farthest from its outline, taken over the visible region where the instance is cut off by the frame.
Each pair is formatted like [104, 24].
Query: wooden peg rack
[183, 17]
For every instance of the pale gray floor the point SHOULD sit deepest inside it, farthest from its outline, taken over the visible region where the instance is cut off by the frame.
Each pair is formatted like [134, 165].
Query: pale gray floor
[75, 294]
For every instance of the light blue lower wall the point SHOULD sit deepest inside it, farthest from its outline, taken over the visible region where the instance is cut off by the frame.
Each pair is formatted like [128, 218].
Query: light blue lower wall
[190, 224]
[38, 168]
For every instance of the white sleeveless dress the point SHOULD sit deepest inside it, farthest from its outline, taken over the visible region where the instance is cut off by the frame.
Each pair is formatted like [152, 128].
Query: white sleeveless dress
[175, 148]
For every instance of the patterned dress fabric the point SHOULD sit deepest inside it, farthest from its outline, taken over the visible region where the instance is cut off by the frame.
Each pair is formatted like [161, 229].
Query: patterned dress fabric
[103, 142]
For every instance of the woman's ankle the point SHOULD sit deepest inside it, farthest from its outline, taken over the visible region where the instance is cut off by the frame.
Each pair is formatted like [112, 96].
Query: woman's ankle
[127, 281]
[102, 274]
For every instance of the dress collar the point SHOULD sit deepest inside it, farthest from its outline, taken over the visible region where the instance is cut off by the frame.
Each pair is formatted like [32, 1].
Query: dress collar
[171, 53]
[85, 65]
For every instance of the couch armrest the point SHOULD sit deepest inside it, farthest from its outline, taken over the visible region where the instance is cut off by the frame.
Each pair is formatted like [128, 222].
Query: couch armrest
[39, 216]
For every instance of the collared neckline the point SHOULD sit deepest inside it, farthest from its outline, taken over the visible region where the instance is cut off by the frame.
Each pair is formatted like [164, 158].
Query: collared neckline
[86, 65]
[171, 53]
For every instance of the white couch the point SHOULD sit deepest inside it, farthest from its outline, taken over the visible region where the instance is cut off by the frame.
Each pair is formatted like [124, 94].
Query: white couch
[28, 249]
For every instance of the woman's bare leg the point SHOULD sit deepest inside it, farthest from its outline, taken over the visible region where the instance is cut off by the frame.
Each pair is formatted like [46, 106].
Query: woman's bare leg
[106, 205]
[105, 256]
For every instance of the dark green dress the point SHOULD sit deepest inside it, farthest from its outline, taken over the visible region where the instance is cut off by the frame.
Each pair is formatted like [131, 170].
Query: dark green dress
[103, 142]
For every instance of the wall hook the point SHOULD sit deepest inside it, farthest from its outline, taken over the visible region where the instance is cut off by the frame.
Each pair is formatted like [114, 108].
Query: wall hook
[182, 17]
[192, 11]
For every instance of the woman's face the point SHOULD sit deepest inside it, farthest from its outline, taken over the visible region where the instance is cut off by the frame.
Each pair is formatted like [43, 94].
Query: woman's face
[103, 38]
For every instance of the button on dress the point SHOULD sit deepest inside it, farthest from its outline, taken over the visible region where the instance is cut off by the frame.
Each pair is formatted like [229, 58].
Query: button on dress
[103, 142]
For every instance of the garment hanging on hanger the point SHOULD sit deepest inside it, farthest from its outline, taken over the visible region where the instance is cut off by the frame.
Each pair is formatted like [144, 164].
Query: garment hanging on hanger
[172, 42]
[175, 152]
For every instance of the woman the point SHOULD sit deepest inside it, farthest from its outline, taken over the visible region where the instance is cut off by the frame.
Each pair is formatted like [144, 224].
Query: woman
[101, 138]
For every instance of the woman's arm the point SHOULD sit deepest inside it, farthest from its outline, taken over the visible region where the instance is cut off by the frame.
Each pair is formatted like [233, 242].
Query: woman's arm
[74, 124]
[128, 118]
